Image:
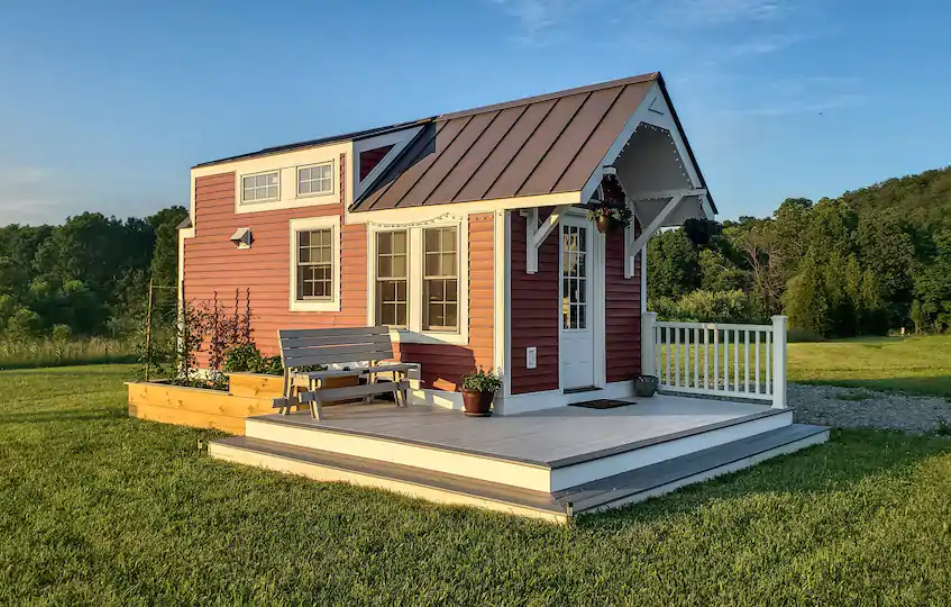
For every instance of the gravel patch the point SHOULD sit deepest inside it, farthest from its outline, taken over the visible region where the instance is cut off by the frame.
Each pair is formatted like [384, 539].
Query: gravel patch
[860, 408]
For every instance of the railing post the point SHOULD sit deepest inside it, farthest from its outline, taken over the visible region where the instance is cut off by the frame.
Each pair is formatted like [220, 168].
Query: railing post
[779, 362]
[648, 343]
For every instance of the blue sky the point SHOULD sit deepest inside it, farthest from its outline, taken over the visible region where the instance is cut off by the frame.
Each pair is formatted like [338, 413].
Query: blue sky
[105, 105]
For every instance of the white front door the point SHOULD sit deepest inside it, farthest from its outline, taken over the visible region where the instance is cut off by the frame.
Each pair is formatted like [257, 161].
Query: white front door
[577, 306]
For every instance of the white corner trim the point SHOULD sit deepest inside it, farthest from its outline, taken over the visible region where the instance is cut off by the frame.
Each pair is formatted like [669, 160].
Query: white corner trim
[414, 333]
[314, 223]
[502, 274]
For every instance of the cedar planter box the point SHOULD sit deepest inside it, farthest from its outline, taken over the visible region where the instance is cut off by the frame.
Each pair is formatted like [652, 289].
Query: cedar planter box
[249, 394]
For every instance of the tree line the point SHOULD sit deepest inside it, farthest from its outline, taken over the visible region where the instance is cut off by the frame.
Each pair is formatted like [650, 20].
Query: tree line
[870, 261]
[88, 276]
[873, 260]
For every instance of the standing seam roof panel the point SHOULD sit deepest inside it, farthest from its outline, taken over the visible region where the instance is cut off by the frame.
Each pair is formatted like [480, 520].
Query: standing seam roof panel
[440, 140]
[423, 189]
[600, 141]
[476, 156]
[531, 154]
[570, 141]
[502, 155]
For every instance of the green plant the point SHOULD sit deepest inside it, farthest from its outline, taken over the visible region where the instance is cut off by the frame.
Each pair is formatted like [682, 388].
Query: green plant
[246, 358]
[620, 215]
[481, 381]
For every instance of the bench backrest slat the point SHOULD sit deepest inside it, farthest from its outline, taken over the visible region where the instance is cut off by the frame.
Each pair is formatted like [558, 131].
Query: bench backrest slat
[341, 332]
[300, 348]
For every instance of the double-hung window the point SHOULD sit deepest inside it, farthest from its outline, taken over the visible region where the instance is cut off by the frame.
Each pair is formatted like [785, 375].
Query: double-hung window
[392, 278]
[315, 264]
[315, 280]
[417, 282]
[440, 280]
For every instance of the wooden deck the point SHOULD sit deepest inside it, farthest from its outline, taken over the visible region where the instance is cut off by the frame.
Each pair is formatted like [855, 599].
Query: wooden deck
[553, 437]
[551, 464]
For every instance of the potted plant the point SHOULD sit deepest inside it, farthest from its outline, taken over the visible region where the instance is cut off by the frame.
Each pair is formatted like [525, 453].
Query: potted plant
[607, 218]
[645, 385]
[478, 390]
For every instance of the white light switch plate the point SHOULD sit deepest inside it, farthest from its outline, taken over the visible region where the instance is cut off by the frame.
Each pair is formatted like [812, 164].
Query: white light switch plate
[531, 357]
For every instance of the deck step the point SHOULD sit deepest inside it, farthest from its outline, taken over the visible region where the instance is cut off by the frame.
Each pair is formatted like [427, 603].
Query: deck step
[427, 484]
[657, 479]
[628, 487]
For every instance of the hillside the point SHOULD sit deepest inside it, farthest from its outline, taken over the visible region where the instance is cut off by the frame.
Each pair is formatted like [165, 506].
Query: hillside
[922, 198]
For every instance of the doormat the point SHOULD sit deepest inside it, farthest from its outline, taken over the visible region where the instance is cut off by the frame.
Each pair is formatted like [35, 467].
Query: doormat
[603, 403]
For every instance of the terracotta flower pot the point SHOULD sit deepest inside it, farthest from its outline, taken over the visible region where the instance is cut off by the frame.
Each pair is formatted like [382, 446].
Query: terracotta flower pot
[478, 404]
[605, 224]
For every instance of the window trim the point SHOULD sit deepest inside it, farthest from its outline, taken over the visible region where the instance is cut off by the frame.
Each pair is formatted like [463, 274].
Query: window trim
[258, 201]
[376, 279]
[303, 225]
[424, 303]
[333, 180]
[414, 333]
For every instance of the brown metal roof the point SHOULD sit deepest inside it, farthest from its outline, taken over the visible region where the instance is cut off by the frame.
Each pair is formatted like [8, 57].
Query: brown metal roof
[540, 145]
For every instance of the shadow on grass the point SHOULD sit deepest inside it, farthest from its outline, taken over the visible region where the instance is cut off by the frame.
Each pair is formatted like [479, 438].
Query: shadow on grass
[848, 458]
[938, 386]
[67, 416]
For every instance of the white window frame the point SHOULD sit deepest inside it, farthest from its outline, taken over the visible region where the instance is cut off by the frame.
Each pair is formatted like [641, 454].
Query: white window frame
[333, 181]
[303, 225]
[258, 201]
[414, 332]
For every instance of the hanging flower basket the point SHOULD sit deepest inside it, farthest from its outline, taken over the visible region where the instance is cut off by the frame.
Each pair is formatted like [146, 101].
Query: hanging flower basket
[609, 218]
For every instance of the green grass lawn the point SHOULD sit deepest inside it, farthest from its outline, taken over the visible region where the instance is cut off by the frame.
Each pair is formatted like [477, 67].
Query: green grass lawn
[45, 352]
[99, 509]
[916, 364]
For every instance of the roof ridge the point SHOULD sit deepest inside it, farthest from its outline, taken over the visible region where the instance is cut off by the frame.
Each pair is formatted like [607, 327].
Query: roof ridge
[553, 95]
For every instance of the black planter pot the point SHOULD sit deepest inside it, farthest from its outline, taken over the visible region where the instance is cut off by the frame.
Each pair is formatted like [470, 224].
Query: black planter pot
[646, 385]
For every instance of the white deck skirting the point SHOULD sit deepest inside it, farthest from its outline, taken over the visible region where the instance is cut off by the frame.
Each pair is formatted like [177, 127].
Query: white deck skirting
[543, 451]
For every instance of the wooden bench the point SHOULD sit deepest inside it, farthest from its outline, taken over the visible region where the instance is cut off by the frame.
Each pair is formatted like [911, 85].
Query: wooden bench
[363, 348]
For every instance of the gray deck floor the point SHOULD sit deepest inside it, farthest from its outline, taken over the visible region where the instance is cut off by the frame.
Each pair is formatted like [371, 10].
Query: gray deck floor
[553, 437]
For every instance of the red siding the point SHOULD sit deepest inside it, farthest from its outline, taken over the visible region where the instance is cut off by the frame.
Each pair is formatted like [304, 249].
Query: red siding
[535, 315]
[213, 263]
[622, 313]
[370, 158]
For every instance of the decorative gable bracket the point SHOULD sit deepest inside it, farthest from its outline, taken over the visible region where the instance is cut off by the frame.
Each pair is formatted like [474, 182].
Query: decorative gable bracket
[632, 244]
[536, 234]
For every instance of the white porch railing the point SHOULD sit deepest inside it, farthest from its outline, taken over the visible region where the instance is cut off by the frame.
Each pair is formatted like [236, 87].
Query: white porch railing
[746, 361]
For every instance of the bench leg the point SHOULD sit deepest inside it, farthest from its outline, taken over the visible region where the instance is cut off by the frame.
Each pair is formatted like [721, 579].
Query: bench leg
[315, 409]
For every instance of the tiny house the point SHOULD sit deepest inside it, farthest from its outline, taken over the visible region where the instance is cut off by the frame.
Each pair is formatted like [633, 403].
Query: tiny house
[466, 234]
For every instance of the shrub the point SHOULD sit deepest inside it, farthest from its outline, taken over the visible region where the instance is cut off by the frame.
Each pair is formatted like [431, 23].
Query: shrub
[707, 306]
[481, 381]
[246, 358]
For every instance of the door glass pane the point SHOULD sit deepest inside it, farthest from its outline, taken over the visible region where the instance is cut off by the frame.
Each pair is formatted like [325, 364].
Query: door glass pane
[574, 278]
